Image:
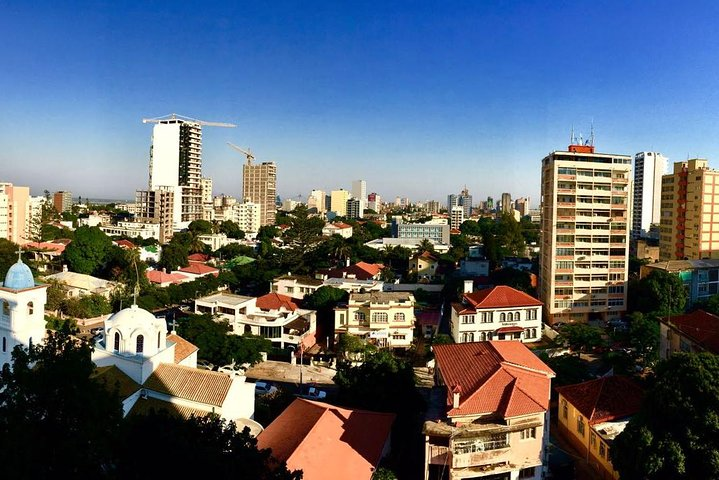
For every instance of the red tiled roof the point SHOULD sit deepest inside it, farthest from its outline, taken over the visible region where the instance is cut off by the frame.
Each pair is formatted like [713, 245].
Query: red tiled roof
[699, 326]
[426, 255]
[198, 257]
[360, 270]
[502, 377]
[328, 442]
[275, 301]
[199, 269]
[125, 244]
[340, 225]
[500, 296]
[604, 399]
[429, 317]
[510, 330]
[56, 247]
[160, 277]
[202, 386]
[183, 348]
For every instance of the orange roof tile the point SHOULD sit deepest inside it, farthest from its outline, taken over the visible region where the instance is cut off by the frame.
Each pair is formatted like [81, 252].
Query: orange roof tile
[199, 269]
[160, 277]
[143, 406]
[275, 301]
[604, 399]
[202, 386]
[700, 326]
[127, 244]
[198, 257]
[56, 247]
[183, 348]
[328, 442]
[502, 377]
[500, 296]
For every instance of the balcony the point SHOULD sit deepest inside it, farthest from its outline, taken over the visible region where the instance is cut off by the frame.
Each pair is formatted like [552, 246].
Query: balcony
[498, 455]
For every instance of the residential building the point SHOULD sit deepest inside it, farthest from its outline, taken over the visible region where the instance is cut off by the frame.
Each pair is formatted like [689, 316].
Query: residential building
[383, 318]
[196, 270]
[647, 250]
[16, 220]
[176, 164]
[507, 203]
[456, 217]
[328, 442]
[62, 201]
[295, 286]
[273, 316]
[337, 228]
[374, 202]
[495, 415]
[354, 208]
[288, 205]
[359, 192]
[497, 313]
[522, 206]
[157, 207]
[435, 231]
[46, 255]
[259, 185]
[359, 271]
[316, 200]
[475, 264]
[687, 212]
[490, 204]
[649, 167]
[425, 266]
[247, 215]
[208, 211]
[693, 332]
[22, 311]
[134, 229]
[432, 207]
[593, 413]
[164, 279]
[338, 202]
[78, 284]
[585, 234]
[700, 277]
[411, 243]
[33, 225]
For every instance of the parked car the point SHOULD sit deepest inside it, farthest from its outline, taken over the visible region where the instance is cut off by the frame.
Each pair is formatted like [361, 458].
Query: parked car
[205, 365]
[315, 394]
[232, 369]
[264, 388]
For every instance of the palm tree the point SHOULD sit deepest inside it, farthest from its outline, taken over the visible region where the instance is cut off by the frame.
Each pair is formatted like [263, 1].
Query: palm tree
[425, 246]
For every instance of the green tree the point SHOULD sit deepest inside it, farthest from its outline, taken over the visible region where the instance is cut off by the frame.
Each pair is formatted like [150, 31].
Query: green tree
[89, 251]
[55, 420]
[87, 306]
[512, 277]
[660, 292]
[8, 256]
[324, 300]
[644, 337]
[425, 246]
[581, 337]
[509, 236]
[55, 295]
[675, 434]
[200, 227]
[231, 229]
[351, 347]
[173, 256]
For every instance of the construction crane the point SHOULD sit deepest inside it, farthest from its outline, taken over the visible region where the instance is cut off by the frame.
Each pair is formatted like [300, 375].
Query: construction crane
[247, 152]
[174, 116]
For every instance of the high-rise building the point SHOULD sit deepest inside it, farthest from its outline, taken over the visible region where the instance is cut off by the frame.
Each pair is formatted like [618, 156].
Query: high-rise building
[176, 162]
[62, 201]
[15, 215]
[316, 200]
[522, 206]
[208, 212]
[338, 201]
[648, 170]
[465, 200]
[507, 203]
[359, 191]
[452, 201]
[490, 204]
[456, 217]
[248, 216]
[259, 185]
[689, 227]
[157, 206]
[432, 206]
[374, 202]
[585, 234]
[354, 208]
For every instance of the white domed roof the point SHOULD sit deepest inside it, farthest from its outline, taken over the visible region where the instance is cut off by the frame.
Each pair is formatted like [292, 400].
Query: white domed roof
[132, 317]
[19, 277]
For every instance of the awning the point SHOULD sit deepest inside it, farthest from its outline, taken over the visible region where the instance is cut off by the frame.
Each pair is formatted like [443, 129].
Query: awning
[510, 330]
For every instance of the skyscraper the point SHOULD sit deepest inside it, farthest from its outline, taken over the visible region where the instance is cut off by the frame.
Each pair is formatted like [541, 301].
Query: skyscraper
[338, 201]
[507, 203]
[259, 185]
[316, 200]
[15, 213]
[359, 191]
[585, 236]
[648, 170]
[62, 201]
[689, 224]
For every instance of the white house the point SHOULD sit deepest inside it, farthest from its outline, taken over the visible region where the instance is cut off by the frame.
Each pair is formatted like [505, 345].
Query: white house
[386, 319]
[338, 228]
[498, 313]
[79, 284]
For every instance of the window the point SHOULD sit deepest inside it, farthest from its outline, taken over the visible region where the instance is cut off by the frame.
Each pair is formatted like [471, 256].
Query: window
[397, 336]
[565, 409]
[532, 314]
[140, 344]
[502, 317]
[526, 472]
[530, 333]
[467, 337]
[467, 318]
[602, 450]
[117, 342]
[516, 316]
[289, 289]
[4, 344]
[360, 316]
[528, 433]
[592, 440]
[381, 317]
[30, 308]
[486, 317]
[485, 336]
[399, 317]
[491, 442]
[580, 425]
[342, 318]
[5, 308]
[158, 340]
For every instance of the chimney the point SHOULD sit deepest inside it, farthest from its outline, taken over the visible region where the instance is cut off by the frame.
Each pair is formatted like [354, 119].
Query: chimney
[468, 286]
[64, 267]
[455, 396]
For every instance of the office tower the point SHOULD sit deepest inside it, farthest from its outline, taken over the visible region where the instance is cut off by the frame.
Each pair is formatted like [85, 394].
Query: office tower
[374, 202]
[490, 204]
[648, 170]
[456, 217]
[689, 226]
[507, 203]
[585, 235]
[62, 201]
[316, 200]
[354, 208]
[465, 200]
[259, 185]
[338, 201]
[452, 201]
[522, 206]
[15, 215]
[359, 191]
[157, 206]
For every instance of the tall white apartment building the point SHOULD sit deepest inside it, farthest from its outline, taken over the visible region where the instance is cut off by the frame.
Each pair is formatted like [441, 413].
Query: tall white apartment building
[259, 185]
[648, 170]
[15, 213]
[176, 162]
[359, 191]
[456, 217]
[584, 234]
[316, 199]
[248, 215]
[374, 202]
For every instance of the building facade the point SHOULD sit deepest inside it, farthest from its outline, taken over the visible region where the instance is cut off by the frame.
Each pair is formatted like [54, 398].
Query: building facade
[316, 200]
[259, 185]
[248, 215]
[437, 232]
[338, 201]
[456, 217]
[157, 207]
[354, 208]
[584, 235]
[359, 191]
[384, 318]
[689, 227]
[62, 201]
[17, 222]
[649, 167]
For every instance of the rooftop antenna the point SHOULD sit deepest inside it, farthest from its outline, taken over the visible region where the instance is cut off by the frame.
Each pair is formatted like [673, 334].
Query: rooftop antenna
[571, 136]
[591, 136]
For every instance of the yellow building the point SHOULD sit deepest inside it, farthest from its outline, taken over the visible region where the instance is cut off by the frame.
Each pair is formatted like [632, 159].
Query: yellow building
[384, 318]
[593, 413]
[689, 223]
[424, 265]
[338, 201]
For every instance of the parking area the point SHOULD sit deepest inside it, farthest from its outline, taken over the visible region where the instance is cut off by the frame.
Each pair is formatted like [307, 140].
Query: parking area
[287, 373]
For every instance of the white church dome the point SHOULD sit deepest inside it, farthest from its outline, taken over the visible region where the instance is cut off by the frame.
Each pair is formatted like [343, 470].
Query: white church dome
[19, 277]
[131, 317]
[135, 331]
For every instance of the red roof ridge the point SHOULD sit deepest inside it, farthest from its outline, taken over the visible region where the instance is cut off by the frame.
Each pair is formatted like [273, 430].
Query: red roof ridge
[518, 388]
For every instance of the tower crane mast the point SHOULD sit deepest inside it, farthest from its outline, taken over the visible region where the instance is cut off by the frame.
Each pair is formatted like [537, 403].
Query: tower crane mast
[247, 152]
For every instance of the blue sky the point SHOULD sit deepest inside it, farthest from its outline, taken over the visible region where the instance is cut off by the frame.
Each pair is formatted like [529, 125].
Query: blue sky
[417, 98]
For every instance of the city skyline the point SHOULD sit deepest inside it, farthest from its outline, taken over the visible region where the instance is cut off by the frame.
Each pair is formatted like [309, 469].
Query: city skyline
[387, 93]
